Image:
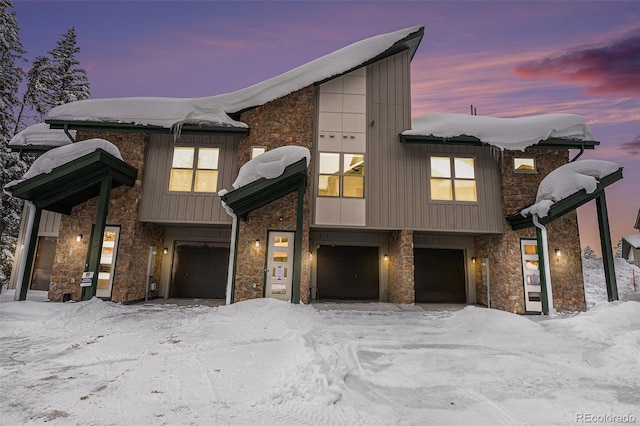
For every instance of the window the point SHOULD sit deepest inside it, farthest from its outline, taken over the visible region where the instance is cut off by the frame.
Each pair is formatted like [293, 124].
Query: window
[341, 175]
[257, 150]
[524, 165]
[453, 178]
[194, 169]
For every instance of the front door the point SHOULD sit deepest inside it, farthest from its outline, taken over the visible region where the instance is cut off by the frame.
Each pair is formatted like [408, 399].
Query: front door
[279, 276]
[43, 264]
[108, 261]
[531, 276]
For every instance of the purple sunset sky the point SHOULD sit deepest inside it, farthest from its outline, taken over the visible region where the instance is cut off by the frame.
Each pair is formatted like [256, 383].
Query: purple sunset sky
[506, 58]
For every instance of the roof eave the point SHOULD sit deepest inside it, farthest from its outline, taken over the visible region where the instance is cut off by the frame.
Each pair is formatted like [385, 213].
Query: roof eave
[186, 128]
[551, 143]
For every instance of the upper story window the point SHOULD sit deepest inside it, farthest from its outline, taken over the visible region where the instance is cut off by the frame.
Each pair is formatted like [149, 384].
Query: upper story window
[194, 169]
[341, 175]
[257, 150]
[524, 165]
[453, 178]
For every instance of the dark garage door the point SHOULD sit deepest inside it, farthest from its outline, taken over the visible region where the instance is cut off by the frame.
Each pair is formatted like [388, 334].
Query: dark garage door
[439, 275]
[199, 271]
[347, 273]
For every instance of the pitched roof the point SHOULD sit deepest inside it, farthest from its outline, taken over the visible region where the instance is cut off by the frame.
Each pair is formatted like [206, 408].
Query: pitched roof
[215, 110]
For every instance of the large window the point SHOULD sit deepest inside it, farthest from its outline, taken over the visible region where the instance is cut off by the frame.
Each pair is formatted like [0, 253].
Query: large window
[453, 178]
[341, 175]
[194, 169]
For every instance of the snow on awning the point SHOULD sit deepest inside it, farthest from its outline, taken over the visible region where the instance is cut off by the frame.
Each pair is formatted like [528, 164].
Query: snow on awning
[567, 188]
[504, 133]
[40, 136]
[214, 110]
[69, 175]
[266, 178]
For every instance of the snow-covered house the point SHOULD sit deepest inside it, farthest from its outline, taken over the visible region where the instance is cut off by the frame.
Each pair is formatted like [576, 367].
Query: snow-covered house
[377, 206]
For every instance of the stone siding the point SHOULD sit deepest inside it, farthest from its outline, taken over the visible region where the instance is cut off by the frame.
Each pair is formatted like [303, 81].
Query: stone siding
[401, 267]
[503, 251]
[129, 283]
[285, 121]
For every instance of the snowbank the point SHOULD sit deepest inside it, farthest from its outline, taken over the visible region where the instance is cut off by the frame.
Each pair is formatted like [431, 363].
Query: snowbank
[41, 135]
[504, 133]
[214, 110]
[62, 155]
[568, 179]
[595, 288]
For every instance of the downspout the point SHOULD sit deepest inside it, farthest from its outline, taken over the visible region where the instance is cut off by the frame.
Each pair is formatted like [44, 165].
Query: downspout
[547, 270]
[25, 249]
[578, 154]
[232, 257]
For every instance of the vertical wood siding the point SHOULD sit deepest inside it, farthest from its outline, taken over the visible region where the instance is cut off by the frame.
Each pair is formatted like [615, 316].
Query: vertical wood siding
[162, 206]
[397, 194]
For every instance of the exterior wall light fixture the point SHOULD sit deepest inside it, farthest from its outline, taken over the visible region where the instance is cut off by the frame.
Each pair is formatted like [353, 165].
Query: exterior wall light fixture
[386, 257]
[310, 256]
[165, 251]
[79, 237]
[558, 252]
[473, 259]
[257, 243]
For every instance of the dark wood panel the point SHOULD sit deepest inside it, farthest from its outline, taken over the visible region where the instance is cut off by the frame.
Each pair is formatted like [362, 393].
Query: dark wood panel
[199, 271]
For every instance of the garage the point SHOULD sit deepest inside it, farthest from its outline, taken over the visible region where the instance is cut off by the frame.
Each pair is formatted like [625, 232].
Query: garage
[347, 273]
[199, 270]
[439, 275]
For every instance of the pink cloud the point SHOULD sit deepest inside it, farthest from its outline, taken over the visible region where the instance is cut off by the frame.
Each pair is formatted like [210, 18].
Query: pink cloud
[632, 147]
[608, 68]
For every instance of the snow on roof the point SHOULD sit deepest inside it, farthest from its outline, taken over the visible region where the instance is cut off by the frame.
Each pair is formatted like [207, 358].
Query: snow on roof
[568, 179]
[633, 240]
[504, 133]
[40, 135]
[62, 155]
[214, 110]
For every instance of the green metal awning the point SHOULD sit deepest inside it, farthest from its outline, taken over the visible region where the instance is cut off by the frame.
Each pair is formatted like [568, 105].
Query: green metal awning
[263, 191]
[75, 182]
[562, 207]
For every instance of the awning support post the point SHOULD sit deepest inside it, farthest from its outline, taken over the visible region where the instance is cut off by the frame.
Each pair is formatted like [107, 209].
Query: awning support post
[607, 249]
[297, 250]
[95, 249]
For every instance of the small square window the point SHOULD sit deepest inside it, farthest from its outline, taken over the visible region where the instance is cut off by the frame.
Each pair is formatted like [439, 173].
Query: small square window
[524, 165]
[257, 150]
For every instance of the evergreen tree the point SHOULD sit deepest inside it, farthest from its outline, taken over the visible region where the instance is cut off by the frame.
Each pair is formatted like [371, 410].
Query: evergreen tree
[37, 98]
[588, 253]
[11, 166]
[70, 83]
[618, 251]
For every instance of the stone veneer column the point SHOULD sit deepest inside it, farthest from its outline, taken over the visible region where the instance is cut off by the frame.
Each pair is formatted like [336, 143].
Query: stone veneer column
[503, 251]
[129, 283]
[285, 121]
[401, 267]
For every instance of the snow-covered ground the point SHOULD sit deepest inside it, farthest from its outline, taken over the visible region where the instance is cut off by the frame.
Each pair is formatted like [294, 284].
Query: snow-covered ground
[266, 362]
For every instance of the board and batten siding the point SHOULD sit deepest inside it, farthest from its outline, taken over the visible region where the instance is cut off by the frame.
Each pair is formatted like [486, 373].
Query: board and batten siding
[397, 192]
[159, 205]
